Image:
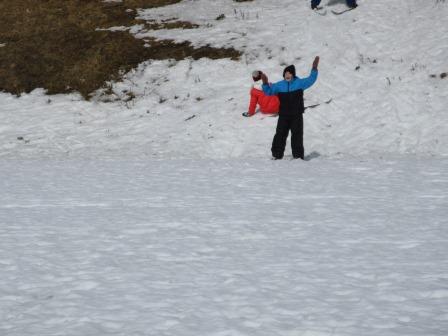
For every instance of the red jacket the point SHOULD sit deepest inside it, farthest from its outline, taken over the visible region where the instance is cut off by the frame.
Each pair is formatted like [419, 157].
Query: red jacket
[268, 104]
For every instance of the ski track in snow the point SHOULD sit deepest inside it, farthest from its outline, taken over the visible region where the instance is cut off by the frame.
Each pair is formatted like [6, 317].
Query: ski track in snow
[223, 247]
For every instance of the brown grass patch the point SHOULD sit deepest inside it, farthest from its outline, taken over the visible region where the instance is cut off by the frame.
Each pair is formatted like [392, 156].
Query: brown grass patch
[55, 44]
[169, 24]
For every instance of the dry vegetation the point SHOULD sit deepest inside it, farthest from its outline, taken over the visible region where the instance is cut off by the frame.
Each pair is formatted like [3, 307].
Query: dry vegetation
[55, 44]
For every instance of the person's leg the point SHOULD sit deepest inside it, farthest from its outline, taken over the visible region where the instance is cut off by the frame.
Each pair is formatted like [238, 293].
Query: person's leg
[297, 137]
[351, 3]
[315, 3]
[281, 134]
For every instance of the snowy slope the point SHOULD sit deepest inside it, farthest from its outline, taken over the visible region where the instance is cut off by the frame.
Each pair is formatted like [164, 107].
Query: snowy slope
[163, 216]
[389, 106]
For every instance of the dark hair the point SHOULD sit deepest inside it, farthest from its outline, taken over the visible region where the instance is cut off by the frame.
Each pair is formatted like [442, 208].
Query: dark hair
[291, 69]
[256, 75]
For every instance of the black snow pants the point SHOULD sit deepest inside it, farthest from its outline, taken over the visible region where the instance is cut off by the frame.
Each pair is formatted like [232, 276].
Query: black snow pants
[286, 123]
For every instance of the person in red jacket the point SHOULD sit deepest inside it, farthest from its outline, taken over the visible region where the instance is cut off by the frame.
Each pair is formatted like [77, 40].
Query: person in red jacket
[268, 104]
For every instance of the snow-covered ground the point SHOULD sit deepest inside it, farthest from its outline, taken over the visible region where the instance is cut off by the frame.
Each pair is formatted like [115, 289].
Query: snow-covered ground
[390, 105]
[165, 216]
[226, 247]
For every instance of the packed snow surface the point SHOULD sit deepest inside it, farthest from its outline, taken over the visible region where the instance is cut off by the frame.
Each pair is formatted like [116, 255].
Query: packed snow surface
[376, 66]
[226, 247]
[164, 216]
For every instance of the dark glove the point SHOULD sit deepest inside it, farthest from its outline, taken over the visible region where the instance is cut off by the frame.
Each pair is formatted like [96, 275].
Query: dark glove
[316, 63]
[264, 78]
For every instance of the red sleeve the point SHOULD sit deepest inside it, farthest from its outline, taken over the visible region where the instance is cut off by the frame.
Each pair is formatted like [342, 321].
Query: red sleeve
[253, 103]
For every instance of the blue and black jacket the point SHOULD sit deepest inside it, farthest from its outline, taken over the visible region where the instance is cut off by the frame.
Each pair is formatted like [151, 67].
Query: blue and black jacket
[290, 93]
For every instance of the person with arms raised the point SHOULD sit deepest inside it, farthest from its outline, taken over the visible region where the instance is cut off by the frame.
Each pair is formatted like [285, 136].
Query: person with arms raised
[290, 94]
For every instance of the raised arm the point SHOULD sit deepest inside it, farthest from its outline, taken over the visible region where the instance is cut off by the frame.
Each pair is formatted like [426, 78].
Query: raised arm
[311, 79]
[268, 89]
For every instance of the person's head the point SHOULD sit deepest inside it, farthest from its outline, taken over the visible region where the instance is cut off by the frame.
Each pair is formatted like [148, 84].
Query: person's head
[256, 75]
[289, 73]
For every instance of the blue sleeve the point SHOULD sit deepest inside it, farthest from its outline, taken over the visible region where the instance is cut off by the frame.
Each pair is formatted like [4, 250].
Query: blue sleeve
[310, 80]
[270, 89]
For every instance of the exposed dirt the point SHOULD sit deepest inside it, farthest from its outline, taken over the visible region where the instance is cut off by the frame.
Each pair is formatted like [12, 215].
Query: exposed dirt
[56, 44]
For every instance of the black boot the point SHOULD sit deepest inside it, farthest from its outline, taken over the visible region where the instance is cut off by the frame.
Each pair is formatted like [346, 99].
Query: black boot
[352, 3]
[315, 4]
